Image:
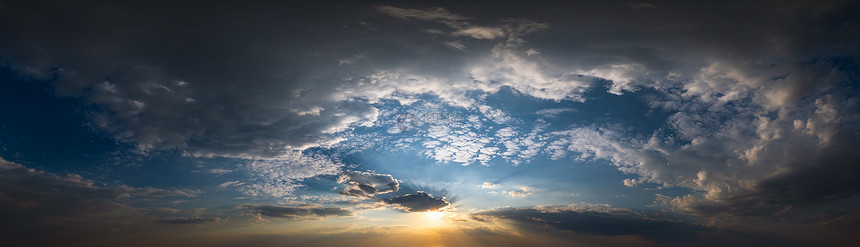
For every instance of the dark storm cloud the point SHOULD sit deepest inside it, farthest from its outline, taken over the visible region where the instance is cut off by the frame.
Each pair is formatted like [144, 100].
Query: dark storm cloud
[240, 81]
[367, 184]
[418, 202]
[303, 212]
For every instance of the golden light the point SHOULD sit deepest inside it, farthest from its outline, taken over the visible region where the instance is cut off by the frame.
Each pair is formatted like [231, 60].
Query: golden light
[434, 219]
[435, 216]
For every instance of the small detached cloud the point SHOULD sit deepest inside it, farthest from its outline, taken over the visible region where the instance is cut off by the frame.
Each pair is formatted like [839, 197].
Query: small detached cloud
[298, 212]
[488, 185]
[418, 202]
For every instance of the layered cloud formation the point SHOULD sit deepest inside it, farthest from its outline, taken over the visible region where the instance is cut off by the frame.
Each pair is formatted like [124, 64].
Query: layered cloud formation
[732, 114]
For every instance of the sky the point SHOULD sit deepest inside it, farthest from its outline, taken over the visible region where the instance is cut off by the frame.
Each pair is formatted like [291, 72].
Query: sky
[449, 123]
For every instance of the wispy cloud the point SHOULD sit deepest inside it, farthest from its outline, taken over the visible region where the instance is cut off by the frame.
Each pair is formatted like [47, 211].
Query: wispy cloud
[554, 112]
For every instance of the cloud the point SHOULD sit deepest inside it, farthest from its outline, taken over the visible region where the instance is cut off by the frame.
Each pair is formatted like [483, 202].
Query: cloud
[301, 100]
[554, 112]
[522, 191]
[459, 135]
[190, 221]
[586, 222]
[762, 105]
[582, 223]
[302, 212]
[370, 185]
[280, 177]
[230, 184]
[158, 103]
[418, 202]
[480, 32]
[456, 45]
[488, 185]
[38, 193]
[367, 184]
[740, 111]
[459, 23]
[350, 60]
[219, 171]
[173, 119]
[578, 221]
[285, 103]
[743, 163]
[431, 14]
[37, 206]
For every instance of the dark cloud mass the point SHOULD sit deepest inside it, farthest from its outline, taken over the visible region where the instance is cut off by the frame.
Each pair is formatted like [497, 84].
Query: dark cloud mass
[28, 192]
[304, 212]
[370, 185]
[38, 207]
[418, 202]
[367, 184]
[609, 221]
[161, 80]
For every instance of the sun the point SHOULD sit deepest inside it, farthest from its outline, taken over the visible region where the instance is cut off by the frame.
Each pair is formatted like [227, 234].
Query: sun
[435, 216]
[434, 219]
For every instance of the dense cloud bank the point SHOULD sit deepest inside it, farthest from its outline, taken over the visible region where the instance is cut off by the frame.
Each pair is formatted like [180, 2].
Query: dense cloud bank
[38, 207]
[577, 222]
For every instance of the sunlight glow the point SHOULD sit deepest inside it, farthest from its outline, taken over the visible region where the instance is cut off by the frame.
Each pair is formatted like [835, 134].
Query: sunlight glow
[435, 216]
[434, 219]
